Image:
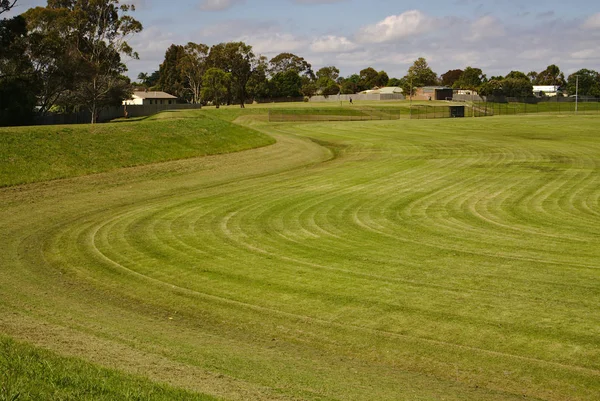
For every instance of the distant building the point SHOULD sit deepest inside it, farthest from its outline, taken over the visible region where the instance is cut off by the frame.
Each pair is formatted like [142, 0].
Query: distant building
[150, 97]
[388, 90]
[546, 90]
[433, 93]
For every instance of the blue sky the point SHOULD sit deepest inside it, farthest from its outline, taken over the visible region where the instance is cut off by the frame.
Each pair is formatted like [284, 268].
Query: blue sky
[495, 35]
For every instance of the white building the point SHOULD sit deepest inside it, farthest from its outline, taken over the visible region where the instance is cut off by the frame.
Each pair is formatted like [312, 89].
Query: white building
[150, 97]
[546, 90]
[388, 90]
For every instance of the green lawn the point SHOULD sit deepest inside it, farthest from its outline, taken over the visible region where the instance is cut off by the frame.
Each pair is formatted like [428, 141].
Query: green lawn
[453, 259]
[32, 374]
[33, 154]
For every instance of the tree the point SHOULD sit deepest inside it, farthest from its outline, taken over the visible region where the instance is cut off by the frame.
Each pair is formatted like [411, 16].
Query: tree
[18, 81]
[471, 78]
[394, 82]
[589, 83]
[517, 87]
[237, 59]
[56, 62]
[533, 76]
[258, 84]
[382, 79]
[215, 83]
[326, 81]
[493, 87]
[408, 87]
[286, 84]
[309, 87]
[287, 61]
[93, 34]
[350, 85]
[420, 74]
[172, 79]
[192, 66]
[6, 5]
[551, 76]
[368, 78]
[450, 77]
[517, 75]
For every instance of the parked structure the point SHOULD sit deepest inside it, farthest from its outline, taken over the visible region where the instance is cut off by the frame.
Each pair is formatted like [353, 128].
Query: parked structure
[143, 98]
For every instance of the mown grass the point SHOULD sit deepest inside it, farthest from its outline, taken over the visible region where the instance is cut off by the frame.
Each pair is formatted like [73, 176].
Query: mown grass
[41, 153]
[29, 373]
[450, 259]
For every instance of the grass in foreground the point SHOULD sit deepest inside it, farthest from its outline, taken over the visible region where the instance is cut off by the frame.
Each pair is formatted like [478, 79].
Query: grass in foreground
[41, 153]
[444, 259]
[28, 373]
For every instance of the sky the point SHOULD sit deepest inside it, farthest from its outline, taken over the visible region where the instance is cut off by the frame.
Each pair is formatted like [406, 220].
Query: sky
[497, 36]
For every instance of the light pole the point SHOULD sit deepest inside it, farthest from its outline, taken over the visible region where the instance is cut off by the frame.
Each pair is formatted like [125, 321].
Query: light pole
[410, 94]
[577, 94]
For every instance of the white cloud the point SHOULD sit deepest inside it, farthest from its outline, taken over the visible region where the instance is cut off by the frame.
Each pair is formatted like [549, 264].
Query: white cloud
[274, 43]
[332, 44]
[485, 28]
[592, 22]
[409, 23]
[218, 5]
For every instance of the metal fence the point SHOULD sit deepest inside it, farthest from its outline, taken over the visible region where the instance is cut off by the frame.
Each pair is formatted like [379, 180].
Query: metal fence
[529, 106]
[419, 112]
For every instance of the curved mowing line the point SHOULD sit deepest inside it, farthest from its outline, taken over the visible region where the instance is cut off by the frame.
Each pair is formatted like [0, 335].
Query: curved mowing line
[326, 235]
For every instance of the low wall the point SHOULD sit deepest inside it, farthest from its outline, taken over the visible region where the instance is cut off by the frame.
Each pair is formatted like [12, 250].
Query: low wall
[346, 98]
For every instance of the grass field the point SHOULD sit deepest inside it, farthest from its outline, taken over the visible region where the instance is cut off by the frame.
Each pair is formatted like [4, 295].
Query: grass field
[453, 259]
[33, 154]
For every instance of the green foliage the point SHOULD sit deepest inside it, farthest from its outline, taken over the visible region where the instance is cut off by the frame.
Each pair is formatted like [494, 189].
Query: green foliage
[550, 76]
[286, 84]
[85, 38]
[326, 81]
[284, 62]
[171, 78]
[6, 5]
[214, 85]
[420, 74]
[192, 66]
[589, 83]
[493, 87]
[450, 77]
[510, 87]
[32, 154]
[517, 75]
[237, 59]
[28, 373]
[471, 78]
[18, 82]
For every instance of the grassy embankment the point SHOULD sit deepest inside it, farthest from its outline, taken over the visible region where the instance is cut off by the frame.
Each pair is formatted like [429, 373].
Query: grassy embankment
[443, 259]
[41, 153]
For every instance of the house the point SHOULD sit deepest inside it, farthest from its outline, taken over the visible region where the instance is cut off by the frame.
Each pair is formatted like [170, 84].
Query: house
[546, 90]
[388, 90]
[150, 97]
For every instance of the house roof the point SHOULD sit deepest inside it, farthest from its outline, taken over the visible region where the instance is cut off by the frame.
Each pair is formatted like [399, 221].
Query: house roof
[384, 90]
[153, 95]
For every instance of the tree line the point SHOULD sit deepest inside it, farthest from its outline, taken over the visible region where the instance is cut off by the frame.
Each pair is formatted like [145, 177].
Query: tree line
[69, 56]
[66, 57]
